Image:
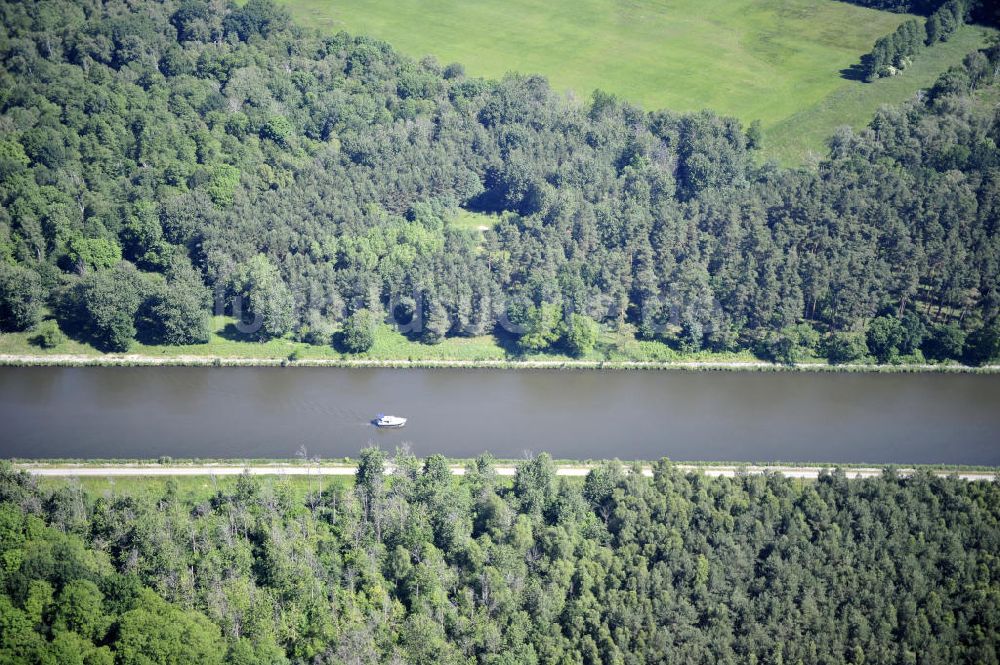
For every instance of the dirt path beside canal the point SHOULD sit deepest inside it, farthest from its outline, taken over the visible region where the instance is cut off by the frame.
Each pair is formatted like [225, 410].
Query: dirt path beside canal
[712, 471]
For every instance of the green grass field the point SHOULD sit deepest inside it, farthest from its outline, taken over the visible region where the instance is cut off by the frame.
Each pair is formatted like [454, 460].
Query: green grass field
[189, 488]
[389, 345]
[804, 134]
[778, 61]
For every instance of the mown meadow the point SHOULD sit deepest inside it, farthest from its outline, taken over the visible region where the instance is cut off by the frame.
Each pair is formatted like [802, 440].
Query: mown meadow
[783, 62]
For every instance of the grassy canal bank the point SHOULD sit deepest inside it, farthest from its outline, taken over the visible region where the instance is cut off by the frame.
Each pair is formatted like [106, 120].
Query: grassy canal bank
[392, 349]
[202, 479]
[139, 360]
[226, 347]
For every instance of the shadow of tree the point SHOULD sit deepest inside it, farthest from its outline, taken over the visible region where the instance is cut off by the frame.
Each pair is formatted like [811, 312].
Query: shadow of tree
[339, 345]
[855, 72]
[508, 342]
[233, 334]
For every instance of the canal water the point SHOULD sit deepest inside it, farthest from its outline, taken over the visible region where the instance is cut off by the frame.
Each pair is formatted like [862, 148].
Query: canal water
[188, 412]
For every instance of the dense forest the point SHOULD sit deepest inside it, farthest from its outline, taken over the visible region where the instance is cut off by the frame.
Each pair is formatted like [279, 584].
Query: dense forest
[154, 154]
[420, 567]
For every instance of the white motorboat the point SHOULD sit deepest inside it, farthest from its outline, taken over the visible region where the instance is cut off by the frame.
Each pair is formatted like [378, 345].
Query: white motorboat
[389, 422]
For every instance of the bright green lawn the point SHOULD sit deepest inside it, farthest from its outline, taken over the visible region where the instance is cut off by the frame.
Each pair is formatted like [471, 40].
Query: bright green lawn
[778, 61]
[473, 221]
